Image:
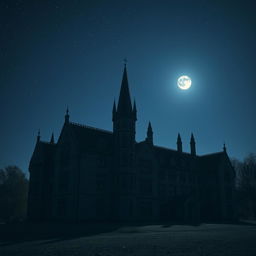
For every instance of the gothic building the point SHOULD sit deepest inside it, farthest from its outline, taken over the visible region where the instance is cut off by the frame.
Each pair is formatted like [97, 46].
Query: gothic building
[94, 174]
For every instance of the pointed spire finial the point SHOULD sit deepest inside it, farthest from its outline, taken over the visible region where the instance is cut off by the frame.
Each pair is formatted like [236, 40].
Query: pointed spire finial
[192, 145]
[149, 133]
[124, 106]
[224, 148]
[149, 126]
[179, 143]
[38, 135]
[125, 62]
[52, 139]
[67, 115]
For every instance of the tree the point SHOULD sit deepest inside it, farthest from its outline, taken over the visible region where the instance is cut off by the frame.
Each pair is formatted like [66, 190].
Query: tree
[246, 186]
[13, 193]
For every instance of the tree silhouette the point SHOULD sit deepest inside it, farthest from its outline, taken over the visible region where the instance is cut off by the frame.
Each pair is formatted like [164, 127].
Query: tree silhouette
[246, 186]
[13, 194]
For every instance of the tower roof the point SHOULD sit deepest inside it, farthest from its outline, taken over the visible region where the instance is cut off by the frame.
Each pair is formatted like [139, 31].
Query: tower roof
[149, 127]
[124, 103]
[178, 138]
[192, 139]
[52, 139]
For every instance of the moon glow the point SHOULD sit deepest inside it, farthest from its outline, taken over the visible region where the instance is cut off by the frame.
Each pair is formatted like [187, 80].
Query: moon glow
[184, 82]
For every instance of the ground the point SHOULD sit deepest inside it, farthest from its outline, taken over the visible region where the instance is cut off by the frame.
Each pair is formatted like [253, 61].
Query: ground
[130, 239]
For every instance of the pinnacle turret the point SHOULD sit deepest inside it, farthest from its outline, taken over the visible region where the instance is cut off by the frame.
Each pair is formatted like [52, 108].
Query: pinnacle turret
[192, 145]
[179, 143]
[67, 116]
[149, 134]
[224, 148]
[52, 139]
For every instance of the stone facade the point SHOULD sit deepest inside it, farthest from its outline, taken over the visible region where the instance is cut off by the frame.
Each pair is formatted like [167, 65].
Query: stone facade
[94, 174]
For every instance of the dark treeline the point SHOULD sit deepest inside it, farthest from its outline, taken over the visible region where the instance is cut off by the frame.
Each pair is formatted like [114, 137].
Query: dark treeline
[13, 194]
[246, 187]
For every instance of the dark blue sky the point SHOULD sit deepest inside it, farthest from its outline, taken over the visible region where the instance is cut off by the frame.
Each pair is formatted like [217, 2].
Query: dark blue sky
[59, 53]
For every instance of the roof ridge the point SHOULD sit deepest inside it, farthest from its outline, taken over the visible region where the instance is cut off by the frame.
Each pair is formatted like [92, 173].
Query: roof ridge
[162, 147]
[173, 150]
[211, 154]
[165, 148]
[90, 127]
[47, 143]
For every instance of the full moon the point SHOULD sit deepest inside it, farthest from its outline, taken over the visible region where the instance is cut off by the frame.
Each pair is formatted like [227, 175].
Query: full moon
[184, 82]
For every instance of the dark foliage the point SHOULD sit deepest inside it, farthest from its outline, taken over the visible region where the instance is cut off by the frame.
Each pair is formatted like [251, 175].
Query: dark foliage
[13, 194]
[246, 186]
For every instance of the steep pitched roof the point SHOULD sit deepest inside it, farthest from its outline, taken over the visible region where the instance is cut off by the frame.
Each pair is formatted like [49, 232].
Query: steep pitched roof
[43, 150]
[211, 162]
[168, 151]
[212, 158]
[167, 156]
[91, 139]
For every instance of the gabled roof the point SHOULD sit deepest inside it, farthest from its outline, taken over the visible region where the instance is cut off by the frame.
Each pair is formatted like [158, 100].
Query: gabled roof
[43, 150]
[91, 139]
[206, 163]
[172, 152]
[211, 162]
[212, 158]
[213, 155]
[166, 155]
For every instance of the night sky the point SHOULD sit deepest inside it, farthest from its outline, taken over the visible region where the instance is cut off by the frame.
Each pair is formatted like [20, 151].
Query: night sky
[58, 53]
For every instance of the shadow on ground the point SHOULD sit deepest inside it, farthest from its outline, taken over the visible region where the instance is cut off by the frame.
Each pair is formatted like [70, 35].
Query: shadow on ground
[51, 232]
[24, 232]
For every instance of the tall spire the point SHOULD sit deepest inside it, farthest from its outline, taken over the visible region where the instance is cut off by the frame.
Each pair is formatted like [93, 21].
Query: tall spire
[67, 116]
[52, 139]
[179, 144]
[149, 134]
[124, 106]
[192, 145]
[124, 124]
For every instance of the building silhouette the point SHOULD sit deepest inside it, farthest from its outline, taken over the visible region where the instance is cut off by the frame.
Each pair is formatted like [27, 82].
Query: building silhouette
[94, 174]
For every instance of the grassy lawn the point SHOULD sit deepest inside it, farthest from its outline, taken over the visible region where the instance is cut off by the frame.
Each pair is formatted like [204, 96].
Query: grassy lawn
[104, 239]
